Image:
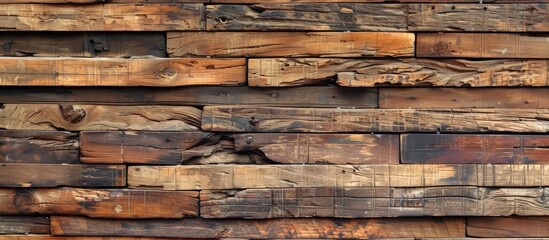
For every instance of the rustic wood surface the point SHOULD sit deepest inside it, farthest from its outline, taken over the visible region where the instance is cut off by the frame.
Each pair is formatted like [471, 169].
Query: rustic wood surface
[50, 237]
[24, 225]
[363, 1]
[290, 44]
[38, 147]
[503, 227]
[97, 117]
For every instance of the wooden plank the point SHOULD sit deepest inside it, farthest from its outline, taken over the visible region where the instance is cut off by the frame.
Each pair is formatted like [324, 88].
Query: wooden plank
[479, 17]
[308, 17]
[465, 148]
[262, 229]
[274, 119]
[503, 227]
[24, 225]
[322, 96]
[97, 117]
[290, 44]
[38, 147]
[81, 44]
[50, 237]
[482, 45]
[463, 98]
[103, 203]
[282, 72]
[121, 72]
[207, 177]
[363, 1]
[101, 17]
[322, 148]
[53, 175]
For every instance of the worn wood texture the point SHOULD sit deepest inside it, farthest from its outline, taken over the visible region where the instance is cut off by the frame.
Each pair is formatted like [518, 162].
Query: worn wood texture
[479, 17]
[121, 72]
[373, 1]
[482, 45]
[465, 148]
[38, 147]
[263, 229]
[103, 203]
[308, 17]
[373, 202]
[290, 44]
[322, 148]
[24, 225]
[50, 237]
[97, 117]
[101, 17]
[207, 177]
[82, 44]
[54, 175]
[271, 119]
[463, 98]
[504, 227]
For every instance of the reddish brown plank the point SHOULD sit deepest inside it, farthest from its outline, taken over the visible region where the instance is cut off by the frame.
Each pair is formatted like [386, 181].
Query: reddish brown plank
[38, 147]
[24, 225]
[505, 227]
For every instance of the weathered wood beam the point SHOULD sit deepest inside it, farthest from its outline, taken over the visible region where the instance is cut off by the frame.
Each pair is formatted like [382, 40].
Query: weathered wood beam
[375, 1]
[38, 147]
[504, 227]
[24, 225]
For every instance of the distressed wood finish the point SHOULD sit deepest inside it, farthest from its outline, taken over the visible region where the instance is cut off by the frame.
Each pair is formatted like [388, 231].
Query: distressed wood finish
[322, 148]
[96, 117]
[308, 17]
[24, 225]
[53, 175]
[271, 119]
[262, 229]
[482, 45]
[373, 1]
[101, 17]
[103, 203]
[504, 227]
[50, 237]
[464, 148]
[290, 44]
[38, 147]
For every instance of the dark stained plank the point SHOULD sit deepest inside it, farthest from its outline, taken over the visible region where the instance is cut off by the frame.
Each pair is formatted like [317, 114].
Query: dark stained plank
[504, 227]
[463, 98]
[24, 225]
[275, 119]
[322, 148]
[103, 203]
[38, 147]
[262, 229]
[290, 44]
[50, 237]
[482, 45]
[97, 117]
[374, 1]
[308, 17]
[81, 44]
[465, 148]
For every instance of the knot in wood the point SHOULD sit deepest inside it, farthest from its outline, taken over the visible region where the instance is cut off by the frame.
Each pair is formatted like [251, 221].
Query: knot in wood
[72, 114]
[440, 48]
[24, 201]
[166, 72]
[249, 139]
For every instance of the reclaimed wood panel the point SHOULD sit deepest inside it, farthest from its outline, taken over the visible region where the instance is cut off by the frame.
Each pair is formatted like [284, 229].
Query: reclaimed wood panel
[82, 44]
[103, 203]
[504, 227]
[290, 44]
[101, 17]
[121, 72]
[322, 148]
[38, 147]
[465, 148]
[50, 237]
[24, 225]
[482, 45]
[463, 98]
[97, 117]
[308, 17]
[380, 1]
[273, 119]
[262, 229]
[53, 175]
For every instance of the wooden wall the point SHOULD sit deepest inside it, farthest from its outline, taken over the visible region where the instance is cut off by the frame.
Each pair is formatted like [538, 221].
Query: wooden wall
[252, 119]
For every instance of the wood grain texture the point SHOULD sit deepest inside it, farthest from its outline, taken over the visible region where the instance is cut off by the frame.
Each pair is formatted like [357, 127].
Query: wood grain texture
[82, 44]
[290, 44]
[482, 45]
[24, 225]
[101, 17]
[375, 1]
[209, 177]
[102, 203]
[503, 227]
[53, 175]
[272, 119]
[97, 117]
[465, 148]
[121, 72]
[322, 148]
[38, 147]
[308, 17]
[262, 229]
[50, 237]
[463, 98]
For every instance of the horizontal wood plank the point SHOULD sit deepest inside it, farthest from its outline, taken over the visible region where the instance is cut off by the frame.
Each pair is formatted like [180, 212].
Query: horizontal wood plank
[50, 237]
[97, 117]
[24, 225]
[504, 227]
[375, 1]
[38, 147]
[290, 44]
